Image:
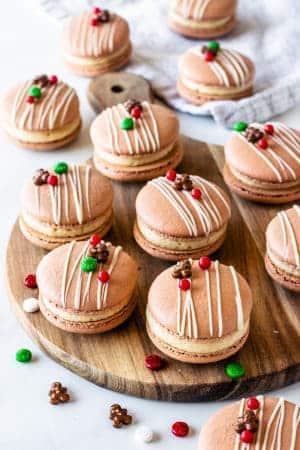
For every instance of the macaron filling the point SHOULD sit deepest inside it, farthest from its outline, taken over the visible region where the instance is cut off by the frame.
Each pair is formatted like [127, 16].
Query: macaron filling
[284, 266]
[198, 24]
[213, 90]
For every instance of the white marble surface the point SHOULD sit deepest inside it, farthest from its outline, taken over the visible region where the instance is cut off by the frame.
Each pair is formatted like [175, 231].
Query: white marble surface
[29, 45]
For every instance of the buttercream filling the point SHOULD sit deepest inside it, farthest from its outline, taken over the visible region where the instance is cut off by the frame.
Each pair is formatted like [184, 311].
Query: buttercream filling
[42, 137]
[65, 231]
[176, 243]
[283, 265]
[134, 160]
[213, 90]
[197, 346]
[253, 182]
[198, 24]
[99, 60]
[85, 317]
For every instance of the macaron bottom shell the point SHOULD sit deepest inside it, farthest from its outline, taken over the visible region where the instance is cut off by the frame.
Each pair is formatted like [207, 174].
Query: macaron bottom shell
[282, 277]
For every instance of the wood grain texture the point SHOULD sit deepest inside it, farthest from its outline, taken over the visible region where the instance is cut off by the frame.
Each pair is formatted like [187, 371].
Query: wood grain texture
[115, 360]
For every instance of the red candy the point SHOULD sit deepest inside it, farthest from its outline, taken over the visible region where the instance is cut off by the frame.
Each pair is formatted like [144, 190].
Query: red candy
[180, 429]
[252, 403]
[94, 21]
[269, 129]
[184, 284]
[30, 281]
[263, 143]
[96, 10]
[136, 112]
[204, 262]
[196, 193]
[171, 175]
[52, 180]
[53, 79]
[153, 362]
[30, 99]
[209, 56]
[95, 239]
[247, 436]
[103, 276]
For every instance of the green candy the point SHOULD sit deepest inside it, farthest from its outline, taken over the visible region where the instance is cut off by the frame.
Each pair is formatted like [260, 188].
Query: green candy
[240, 126]
[127, 123]
[60, 167]
[35, 91]
[235, 370]
[88, 264]
[23, 355]
[214, 46]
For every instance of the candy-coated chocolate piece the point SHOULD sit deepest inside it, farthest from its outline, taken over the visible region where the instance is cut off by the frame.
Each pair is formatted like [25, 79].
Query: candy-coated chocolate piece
[30, 281]
[88, 264]
[103, 276]
[235, 370]
[60, 168]
[240, 126]
[204, 262]
[180, 429]
[127, 124]
[23, 355]
[153, 362]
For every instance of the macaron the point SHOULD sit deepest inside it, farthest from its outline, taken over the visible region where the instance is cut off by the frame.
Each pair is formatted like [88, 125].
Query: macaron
[263, 162]
[136, 141]
[87, 287]
[262, 423]
[283, 248]
[95, 42]
[208, 73]
[41, 114]
[191, 219]
[199, 311]
[67, 203]
[202, 19]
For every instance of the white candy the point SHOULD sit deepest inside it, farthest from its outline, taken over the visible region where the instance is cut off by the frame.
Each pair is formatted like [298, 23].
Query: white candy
[144, 434]
[31, 305]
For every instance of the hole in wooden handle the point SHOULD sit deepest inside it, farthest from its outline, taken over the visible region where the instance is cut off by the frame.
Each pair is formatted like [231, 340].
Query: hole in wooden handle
[117, 89]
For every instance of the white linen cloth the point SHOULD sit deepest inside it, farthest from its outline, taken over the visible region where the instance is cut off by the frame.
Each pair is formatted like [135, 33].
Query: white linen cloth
[268, 31]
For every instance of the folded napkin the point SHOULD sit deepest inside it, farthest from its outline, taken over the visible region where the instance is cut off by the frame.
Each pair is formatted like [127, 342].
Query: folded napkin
[268, 31]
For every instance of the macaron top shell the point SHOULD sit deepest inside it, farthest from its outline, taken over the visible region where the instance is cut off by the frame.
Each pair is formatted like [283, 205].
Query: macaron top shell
[62, 281]
[57, 107]
[82, 39]
[277, 427]
[229, 68]
[81, 195]
[156, 129]
[283, 236]
[211, 10]
[220, 297]
[180, 215]
[278, 163]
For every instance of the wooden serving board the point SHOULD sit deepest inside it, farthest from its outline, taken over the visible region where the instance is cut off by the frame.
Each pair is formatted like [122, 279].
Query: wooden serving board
[115, 360]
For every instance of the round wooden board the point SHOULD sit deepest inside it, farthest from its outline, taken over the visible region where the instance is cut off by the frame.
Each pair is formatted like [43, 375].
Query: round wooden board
[115, 360]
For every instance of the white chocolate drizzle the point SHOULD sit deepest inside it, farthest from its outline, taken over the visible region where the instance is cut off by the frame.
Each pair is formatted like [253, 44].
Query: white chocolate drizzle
[48, 112]
[228, 66]
[84, 280]
[289, 234]
[144, 137]
[78, 195]
[190, 209]
[194, 9]
[187, 324]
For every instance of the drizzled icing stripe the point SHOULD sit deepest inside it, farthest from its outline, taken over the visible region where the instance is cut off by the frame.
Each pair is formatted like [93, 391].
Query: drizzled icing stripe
[192, 8]
[296, 422]
[187, 321]
[143, 138]
[205, 210]
[219, 299]
[92, 41]
[238, 300]
[278, 415]
[45, 113]
[80, 194]
[289, 233]
[102, 289]
[237, 442]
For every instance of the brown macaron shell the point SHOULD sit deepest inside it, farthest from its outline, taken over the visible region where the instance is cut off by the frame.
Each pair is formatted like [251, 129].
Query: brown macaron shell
[217, 18]
[229, 75]
[270, 175]
[277, 423]
[283, 248]
[91, 50]
[210, 325]
[77, 301]
[80, 204]
[147, 150]
[182, 226]
[51, 122]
